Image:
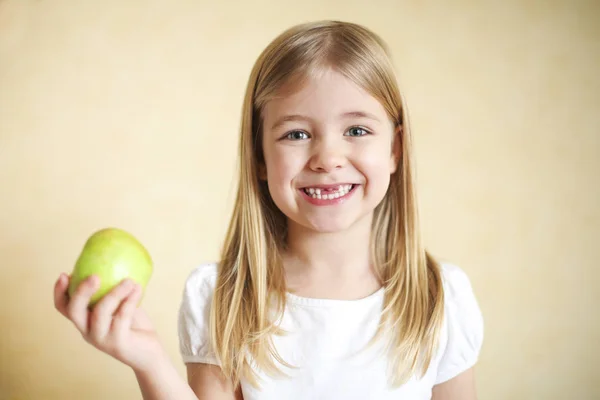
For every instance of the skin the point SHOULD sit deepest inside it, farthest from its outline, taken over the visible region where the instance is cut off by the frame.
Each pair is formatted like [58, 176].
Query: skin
[316, 137]
[329, 132]
[118, 328]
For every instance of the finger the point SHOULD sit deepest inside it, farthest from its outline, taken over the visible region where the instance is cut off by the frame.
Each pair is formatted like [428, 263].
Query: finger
[122, 320]
[101, 317]
[77, 308]
[61, 298]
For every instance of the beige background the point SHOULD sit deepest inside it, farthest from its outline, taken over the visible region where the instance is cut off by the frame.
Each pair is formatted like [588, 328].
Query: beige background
[125, 113]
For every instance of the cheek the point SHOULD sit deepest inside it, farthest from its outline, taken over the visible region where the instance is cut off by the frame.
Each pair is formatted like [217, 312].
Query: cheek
[282, 166]
[375, 166]
[282, 169]
[277, 168]
[376, 155]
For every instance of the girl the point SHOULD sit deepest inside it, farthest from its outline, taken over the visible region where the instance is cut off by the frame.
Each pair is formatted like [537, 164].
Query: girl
[323, 289]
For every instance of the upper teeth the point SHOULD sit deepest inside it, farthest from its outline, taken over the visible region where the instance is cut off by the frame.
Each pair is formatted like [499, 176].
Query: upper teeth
[317, 193]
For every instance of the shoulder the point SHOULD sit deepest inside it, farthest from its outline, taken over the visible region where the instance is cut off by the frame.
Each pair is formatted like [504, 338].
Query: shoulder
[456, 281]
[198, 290]
[201, 279]
[463, 330]
[194, 314]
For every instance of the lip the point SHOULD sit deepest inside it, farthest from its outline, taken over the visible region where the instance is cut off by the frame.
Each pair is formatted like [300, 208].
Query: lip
[328, 202]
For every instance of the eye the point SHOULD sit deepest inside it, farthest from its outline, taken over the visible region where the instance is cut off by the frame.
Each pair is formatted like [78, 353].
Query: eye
[296, 135]
[357, 131]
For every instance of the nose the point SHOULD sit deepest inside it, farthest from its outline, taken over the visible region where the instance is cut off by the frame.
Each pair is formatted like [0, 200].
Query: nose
[327, 155]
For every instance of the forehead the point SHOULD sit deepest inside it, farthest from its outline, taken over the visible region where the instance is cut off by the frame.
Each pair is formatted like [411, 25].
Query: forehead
[323, 97]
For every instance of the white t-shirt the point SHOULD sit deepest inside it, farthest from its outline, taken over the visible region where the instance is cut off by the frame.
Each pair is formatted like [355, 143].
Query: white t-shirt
[325, 339]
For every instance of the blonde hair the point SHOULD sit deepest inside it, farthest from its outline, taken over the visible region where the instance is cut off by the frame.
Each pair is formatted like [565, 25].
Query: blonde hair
[250, 292]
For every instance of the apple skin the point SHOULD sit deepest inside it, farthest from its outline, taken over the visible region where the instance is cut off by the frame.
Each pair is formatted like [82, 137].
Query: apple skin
[113, 255]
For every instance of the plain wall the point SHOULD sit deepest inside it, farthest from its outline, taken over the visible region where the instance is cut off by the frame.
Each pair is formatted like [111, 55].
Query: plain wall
[126, 113]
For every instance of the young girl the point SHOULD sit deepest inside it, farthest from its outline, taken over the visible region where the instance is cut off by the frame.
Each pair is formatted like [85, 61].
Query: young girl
[323, 289]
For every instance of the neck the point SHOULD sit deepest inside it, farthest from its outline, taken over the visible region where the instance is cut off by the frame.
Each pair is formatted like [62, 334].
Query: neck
[333, 264]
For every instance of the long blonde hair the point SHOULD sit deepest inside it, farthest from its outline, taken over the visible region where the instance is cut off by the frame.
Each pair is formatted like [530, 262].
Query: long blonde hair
[250, 292]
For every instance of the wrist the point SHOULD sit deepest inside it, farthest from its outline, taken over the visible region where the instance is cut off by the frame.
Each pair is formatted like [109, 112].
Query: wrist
[162, 381]
[157, 365]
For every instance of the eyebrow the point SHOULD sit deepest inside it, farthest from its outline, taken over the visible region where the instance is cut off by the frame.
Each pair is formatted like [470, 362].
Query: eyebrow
[299, 117]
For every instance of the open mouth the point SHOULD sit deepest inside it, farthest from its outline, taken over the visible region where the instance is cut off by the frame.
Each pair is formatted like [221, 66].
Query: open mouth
[334, 192]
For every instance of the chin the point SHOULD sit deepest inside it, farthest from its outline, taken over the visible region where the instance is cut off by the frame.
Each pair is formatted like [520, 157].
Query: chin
[328, 228]
[328, 225]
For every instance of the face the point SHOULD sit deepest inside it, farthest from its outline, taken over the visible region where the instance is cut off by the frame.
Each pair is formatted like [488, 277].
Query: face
[329, 150]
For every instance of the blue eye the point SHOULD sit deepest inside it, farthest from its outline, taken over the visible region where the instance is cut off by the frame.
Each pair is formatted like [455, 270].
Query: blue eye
[357, 131]
[296, 135]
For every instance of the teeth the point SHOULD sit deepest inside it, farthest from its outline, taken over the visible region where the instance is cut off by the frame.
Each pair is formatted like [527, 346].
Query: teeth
[315, 193]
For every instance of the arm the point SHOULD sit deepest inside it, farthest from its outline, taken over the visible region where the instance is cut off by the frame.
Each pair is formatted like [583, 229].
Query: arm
[162, 383]
[465, 330]
[461, 387]
[208, 382]
[118, 328]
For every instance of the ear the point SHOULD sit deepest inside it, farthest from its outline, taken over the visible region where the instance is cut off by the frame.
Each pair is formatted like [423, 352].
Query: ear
[396, 149]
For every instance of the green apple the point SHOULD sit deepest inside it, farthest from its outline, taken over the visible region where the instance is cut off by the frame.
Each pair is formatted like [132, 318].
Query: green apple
[112, 254]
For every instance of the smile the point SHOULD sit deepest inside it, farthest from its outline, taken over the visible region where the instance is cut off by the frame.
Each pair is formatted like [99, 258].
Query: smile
[334, 194]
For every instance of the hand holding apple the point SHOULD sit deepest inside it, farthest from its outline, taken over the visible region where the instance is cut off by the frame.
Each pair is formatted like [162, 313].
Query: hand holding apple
[102, 295]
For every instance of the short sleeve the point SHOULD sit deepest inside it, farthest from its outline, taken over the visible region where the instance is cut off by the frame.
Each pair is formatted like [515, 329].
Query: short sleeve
[194, 315]
[464, 322]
